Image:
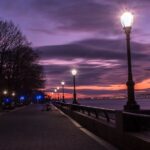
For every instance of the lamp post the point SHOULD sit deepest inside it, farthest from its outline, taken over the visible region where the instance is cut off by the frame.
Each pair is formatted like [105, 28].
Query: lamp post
[58, 92]
[74, 73]
[127, 21]
[51, 97]
[55, 91]
[63, 97]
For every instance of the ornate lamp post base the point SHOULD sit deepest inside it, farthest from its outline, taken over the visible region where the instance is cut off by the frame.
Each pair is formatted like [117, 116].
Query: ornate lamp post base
[75, 102]
[131, 107]
[131, 104]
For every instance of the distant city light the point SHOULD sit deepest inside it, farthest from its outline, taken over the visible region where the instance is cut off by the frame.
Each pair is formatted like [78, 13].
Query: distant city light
[7, 100]
[22, 98]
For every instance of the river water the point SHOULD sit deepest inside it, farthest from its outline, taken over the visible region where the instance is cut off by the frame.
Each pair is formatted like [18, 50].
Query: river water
[113, 104]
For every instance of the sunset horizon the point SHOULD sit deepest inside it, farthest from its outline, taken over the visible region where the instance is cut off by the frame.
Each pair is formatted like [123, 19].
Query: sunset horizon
[86, 35]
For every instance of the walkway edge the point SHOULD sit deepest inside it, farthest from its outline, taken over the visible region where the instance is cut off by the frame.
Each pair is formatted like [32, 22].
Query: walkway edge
[99, 140]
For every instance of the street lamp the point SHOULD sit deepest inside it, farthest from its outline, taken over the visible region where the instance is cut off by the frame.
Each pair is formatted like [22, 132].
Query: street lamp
[74, 73]
[63, 84]
[58, 91]
[127, 21]
[55, 91]
[51, 95]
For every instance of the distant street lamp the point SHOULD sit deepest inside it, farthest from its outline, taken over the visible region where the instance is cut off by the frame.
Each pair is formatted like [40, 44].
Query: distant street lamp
[13, 94]
[5, 92]
[58, 92]
[55, 91]
[74, 73]
[51, 97]
[127, 21]
[63, 97]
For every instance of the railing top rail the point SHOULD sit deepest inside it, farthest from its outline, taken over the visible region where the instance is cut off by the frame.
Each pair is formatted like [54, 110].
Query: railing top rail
[137, 115]
[96, 108]
[89, 107]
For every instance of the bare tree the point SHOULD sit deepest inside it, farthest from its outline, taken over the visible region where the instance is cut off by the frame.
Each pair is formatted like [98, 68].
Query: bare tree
[18, 68]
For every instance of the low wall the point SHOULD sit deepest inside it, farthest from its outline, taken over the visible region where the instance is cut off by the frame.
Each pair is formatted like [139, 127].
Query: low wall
[111, 133]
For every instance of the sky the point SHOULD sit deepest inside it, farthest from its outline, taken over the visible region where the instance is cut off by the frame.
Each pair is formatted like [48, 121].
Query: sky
[86, 35]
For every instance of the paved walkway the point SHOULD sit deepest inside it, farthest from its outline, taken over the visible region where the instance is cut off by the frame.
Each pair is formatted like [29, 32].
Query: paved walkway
[31, 129]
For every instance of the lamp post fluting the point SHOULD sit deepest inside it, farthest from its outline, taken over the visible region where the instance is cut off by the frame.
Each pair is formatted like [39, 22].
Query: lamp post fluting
[74, 72]
[63, 96]
[127, 21]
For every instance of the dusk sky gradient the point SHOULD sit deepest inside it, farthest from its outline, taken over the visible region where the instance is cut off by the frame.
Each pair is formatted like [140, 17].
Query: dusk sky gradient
[87, 35]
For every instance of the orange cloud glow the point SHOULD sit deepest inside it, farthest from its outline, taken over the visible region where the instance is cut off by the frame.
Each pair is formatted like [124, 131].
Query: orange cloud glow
[110, 87]
[145, 84]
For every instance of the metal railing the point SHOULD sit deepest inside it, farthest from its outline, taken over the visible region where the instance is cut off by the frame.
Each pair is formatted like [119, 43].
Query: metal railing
[96, 112]
[136, 121]
[130, 121]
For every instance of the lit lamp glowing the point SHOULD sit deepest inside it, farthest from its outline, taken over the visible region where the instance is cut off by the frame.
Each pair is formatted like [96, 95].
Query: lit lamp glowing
[74, 73]
[127, 21]
[13, 94]
[63, 85]
[5, 92]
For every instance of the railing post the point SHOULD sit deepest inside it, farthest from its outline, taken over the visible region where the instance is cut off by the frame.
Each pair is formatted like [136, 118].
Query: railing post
[89, 113]
[131, 123]
[126, 122]
[82, 110]
[96, 114]
[106, 115]
[119, 121]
